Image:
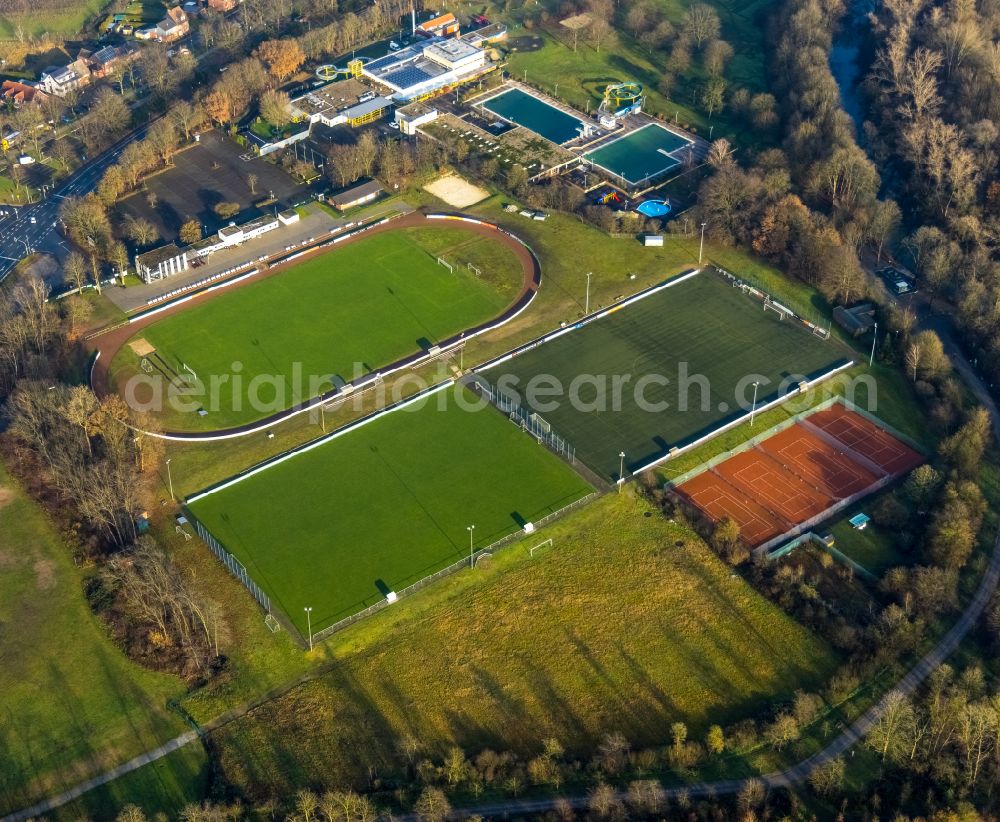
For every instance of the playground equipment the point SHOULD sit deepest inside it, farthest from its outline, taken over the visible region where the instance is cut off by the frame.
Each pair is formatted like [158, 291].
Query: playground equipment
[621, 99]
[329, 71]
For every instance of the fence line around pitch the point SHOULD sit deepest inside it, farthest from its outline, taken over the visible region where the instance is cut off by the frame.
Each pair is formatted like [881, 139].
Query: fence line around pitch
[755, 289]
[798, 391]
[235, 567]
[517, 536]
[528, 420]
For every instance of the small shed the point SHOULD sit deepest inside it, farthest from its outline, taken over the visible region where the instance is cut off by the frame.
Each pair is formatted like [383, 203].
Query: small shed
[857, 320]
[859, 521]
[652, 240]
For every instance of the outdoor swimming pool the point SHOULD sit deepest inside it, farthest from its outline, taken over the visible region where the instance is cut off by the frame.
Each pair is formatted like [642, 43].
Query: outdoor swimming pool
[653, 208]
[644, 153]
[536, 115]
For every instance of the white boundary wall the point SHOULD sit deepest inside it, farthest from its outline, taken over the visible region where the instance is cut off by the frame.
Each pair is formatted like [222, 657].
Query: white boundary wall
[597, 315]
[346, 429]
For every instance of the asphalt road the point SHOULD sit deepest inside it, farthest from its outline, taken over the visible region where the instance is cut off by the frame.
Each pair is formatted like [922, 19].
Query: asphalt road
[33, 228]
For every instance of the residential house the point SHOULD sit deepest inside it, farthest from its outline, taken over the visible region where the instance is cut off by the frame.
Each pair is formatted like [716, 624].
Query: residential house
[60, 80]
[110, 58]
[222, 5]
[174, 26]
[16, 93]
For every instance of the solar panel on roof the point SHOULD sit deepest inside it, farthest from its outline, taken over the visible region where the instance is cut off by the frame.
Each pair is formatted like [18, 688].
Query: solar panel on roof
[406, 77]
[382, 62]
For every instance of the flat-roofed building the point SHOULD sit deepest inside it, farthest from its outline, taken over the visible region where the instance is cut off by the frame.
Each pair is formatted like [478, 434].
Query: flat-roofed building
[356, 195]
[411, 117]
[346, 101]
[423, 69]
[161, 262]
[487, 35]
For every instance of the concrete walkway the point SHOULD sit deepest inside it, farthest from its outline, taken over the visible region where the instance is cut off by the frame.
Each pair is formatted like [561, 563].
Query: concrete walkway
[53, 802]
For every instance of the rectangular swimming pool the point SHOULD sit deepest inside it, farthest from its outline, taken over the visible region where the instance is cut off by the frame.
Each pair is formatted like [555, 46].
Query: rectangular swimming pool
[646, 152]
[546, 120]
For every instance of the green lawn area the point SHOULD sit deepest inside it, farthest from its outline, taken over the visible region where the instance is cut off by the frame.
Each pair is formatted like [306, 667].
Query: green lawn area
[581, 76]
[628, 623]
[874, 548]
[57, 18]
[7, 191]
[343, 314]
[703, 341]
[164, 786]
[336, 527]
[72, 704]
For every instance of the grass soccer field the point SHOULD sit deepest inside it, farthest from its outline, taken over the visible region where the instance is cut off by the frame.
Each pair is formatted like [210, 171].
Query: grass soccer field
[346, 313]
[646, 152]
[706, 339]
[383, 506]
[535, 115]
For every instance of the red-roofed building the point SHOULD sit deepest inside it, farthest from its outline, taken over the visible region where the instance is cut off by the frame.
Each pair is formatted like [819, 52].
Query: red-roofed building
[12, 91]
[443, 26]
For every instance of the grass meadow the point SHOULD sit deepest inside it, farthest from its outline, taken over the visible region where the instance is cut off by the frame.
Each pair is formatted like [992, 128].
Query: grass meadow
[628, 623]
[342, 314]
[379, 508]
[56, 18]
[71, 703]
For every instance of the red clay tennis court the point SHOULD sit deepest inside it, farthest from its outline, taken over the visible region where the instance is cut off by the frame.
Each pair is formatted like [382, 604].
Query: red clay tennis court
[716, 498]
[776, 487]
[817, 461]
[863, 437]
[799, 473]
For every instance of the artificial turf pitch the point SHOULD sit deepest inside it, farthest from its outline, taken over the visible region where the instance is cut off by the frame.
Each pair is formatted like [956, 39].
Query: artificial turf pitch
[709, 340]
[344, 313]
[385, 505]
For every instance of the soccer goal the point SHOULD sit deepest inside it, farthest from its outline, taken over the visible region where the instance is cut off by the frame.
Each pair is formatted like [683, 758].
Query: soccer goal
[446, 264]
[475, 269]
[540, 547]
[272, 624]
[540, 423]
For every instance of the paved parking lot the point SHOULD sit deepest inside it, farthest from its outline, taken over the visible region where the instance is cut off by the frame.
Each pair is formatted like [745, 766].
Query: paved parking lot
[211, 172]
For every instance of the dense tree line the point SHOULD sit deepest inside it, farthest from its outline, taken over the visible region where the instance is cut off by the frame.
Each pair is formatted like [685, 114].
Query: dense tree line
[89, 463]
[934, 108]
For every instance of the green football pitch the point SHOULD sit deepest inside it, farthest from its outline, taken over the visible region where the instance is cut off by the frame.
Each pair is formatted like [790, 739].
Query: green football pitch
[684, 359]
[345, 313]
[383, 506]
